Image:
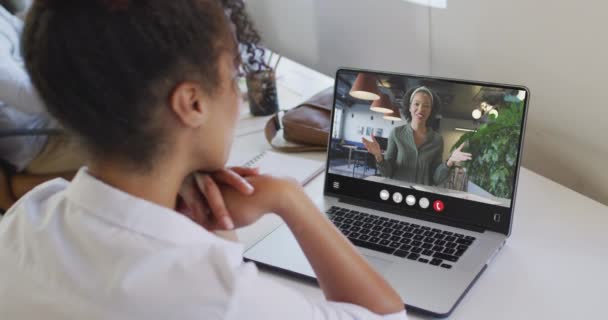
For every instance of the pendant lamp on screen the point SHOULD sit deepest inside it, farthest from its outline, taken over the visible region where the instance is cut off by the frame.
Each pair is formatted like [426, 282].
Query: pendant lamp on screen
[365, 87]
[395, 115]
[382, 105]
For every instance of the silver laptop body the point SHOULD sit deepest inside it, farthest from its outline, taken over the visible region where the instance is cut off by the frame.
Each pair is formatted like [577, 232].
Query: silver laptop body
[429, 288]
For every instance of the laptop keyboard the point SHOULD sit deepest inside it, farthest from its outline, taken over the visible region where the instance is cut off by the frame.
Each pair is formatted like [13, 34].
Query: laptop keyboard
[402, 239]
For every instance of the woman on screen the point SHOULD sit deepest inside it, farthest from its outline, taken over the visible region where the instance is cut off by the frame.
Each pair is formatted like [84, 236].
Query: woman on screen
[414, 151]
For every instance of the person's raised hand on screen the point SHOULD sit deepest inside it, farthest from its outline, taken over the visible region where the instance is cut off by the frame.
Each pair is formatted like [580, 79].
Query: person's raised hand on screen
[373, 147]
[459, 156]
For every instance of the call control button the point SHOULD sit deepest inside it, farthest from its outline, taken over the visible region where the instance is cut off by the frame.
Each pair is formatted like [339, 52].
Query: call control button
[497, 217]
[410, 200]
[397, 197]
[384, 195]
[438, 206]
[424, 203]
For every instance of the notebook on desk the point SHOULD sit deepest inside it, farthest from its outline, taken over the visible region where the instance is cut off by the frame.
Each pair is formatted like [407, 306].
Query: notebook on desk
[284, 165]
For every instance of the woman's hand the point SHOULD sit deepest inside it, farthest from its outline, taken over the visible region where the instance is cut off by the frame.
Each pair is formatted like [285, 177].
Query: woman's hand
[373, 147]
[271, 194]
[200, 198]
[459, 156]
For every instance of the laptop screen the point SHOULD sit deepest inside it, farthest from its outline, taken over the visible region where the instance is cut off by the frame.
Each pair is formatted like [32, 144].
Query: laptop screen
[440, 148]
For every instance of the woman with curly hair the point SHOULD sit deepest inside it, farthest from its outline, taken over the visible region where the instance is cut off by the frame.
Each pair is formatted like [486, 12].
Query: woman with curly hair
[142, 232]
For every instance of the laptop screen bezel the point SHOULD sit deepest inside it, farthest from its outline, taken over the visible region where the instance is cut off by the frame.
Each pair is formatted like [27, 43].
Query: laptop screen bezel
[373, 201]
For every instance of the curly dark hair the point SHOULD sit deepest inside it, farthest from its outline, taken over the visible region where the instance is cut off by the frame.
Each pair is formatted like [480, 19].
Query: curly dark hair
[435, 107]
[104, 67]
[247, 36]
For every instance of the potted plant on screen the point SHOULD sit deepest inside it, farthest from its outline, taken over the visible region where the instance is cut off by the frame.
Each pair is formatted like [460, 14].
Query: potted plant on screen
[494, 147]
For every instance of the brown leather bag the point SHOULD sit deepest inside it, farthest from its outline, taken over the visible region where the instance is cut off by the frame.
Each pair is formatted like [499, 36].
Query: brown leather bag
[303, 128]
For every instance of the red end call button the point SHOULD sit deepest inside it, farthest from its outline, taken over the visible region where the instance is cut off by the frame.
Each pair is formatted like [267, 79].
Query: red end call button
[438, 205]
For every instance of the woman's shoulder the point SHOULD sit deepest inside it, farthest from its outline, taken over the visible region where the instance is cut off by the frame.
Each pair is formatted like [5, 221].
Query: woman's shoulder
[399, 129]
[396, 132]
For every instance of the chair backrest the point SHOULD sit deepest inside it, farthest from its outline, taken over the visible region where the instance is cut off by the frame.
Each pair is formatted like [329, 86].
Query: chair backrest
[7, 171]
[12, 133]
[4, 133]
[6, 194]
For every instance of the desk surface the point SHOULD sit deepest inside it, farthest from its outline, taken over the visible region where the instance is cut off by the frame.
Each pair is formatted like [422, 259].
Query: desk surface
[553, 266]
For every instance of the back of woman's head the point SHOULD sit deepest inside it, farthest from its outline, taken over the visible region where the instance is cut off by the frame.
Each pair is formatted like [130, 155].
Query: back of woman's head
[104, 68]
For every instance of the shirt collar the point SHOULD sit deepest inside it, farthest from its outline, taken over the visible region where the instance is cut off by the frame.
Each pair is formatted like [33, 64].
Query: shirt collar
[135, 214]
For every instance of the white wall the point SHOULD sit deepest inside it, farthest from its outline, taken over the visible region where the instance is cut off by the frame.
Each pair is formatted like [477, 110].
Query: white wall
[327, 34]
[555, 47]
[359, 115]
[558, 49]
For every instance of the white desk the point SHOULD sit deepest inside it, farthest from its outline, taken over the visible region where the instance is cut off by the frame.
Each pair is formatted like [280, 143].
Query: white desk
[554, 265]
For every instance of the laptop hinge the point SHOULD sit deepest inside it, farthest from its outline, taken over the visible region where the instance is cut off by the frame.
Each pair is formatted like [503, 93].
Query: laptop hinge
[411, 213]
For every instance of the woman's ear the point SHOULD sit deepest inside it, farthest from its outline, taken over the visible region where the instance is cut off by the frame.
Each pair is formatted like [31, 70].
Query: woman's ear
[189, 103]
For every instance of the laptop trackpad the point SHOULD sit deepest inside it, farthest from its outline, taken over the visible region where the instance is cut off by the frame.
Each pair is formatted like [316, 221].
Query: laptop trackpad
[378, 264]
[280, 249]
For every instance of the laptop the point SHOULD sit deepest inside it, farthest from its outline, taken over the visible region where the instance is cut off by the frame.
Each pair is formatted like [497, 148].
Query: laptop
[430, 225]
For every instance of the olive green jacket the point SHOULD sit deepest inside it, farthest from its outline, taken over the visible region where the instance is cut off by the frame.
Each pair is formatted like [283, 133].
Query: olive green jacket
[404, 161]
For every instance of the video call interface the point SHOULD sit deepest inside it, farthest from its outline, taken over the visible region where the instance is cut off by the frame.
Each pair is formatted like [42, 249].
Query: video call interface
[448, 138]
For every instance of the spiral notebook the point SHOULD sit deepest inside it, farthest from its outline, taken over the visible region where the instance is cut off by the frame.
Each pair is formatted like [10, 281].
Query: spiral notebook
[283, 165]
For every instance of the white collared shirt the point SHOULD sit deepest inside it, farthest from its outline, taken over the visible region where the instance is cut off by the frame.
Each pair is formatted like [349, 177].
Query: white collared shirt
[85, 250]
